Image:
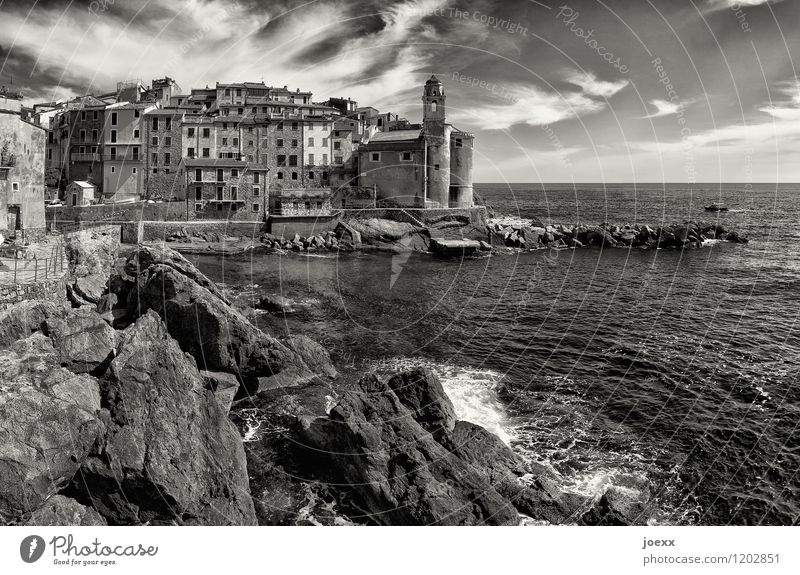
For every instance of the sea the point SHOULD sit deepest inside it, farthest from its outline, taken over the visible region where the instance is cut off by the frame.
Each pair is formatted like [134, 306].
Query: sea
[674, 373]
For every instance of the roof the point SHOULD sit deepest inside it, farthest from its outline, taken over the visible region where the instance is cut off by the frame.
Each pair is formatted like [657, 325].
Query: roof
[396, 136]
[84, 184]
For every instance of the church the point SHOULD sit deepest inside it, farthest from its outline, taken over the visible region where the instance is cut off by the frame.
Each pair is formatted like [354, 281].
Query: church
[420, 166]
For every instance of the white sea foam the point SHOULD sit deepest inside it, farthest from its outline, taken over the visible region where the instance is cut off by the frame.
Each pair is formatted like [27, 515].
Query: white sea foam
[472, 391]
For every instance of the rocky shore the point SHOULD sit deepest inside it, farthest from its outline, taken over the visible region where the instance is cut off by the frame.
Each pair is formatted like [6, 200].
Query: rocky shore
[400, 236]
[128, 406]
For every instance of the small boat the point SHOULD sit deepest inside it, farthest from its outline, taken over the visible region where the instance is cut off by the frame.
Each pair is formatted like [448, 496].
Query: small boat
[716, 208]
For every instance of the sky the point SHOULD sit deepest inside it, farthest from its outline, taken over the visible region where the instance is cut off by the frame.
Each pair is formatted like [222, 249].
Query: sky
[555, 91]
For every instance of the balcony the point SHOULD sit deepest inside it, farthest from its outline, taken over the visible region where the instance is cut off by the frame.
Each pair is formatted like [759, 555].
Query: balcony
[122, 158]
[95, 157]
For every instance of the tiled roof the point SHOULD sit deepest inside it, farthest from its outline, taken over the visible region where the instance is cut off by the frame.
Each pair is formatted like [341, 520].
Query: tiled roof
[396, 136]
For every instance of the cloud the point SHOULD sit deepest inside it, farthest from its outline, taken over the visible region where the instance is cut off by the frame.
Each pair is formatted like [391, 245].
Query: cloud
[736, 4]
[590, 85]
[664, 108]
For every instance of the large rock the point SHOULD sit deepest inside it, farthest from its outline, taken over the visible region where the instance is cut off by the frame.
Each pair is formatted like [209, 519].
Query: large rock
[60, 511]
[396, 469]
[83, 340]
[25, 318]
[218, 336]
[171, 455]
[420, 391]
[91, 256]
[49, 424]
[391, 235]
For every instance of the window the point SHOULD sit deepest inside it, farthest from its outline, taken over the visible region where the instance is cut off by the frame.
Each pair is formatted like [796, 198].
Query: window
[198, 193]
[167, 123]
[311, 159]
[113, 136]
[250, 143]
[198, 175]
[280, 175]
[281, 160]
[154, 158]
[319, 205]
[136, 154]
[310, 175]
[433, 106]
[324, 142]
[113, 153]
[206, 153]
[135, 134]
[459, 143]
[220, 176]
[324, 159]
[95, 115]
[294, 175]
[292, 160]
[337, 145]
[405, 156]
[279, 126]
[294, 143]
[206, 132]
[82, 150]
[155, 123]
[155, 170]
[136, 113]
[376, 156]
[168, 141]
[324, 127]
[308, 205]
[83, 135]
[14, 186]
[295, 125]
[224, 141]
[324, 175]
[238, 92]
[133, 171]
[154, 140]
[167, 158]
[234, 193]
[310, 127]
[83, 115]
[227, 91]
[190, 152]
[190, 132]
[219, 207]
[198, 207]
[236, 141]
[219, 193]
[240, 111]
[311, 142]
[234, 173]
[256, 191]
[435, 166]
[113, 169]
[279, 142]
[255, 207]
[256, 176]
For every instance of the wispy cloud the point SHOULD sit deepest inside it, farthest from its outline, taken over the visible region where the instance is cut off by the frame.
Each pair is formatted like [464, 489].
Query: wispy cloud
[664, 108]
[592, 86]
[728, 4]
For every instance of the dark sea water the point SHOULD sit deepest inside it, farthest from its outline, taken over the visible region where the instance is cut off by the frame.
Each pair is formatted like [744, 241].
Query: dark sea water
[663, 370]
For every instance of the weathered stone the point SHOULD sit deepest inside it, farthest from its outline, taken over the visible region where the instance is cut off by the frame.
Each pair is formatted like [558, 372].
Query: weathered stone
[24, 318]
[276, 304]
[60, 511]
[49, 424]
[420, 391]
[223, 385]
[171, 455]
[83, 340]
[397, 470]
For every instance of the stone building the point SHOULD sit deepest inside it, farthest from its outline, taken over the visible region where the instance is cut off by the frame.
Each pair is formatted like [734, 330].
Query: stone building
[420, 166]
[22, 153]
[80, 137]
[225, 189]
[163, 175]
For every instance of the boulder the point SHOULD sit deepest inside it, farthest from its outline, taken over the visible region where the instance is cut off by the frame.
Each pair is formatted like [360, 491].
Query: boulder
[49, 424]
[25, 318]
[620, 505]
[276, 304]
[218, 336]
[170, 454]
[60, 511]
[398, 472]
[420, 391]
[90, 255]
[83, 340]
[225, 386]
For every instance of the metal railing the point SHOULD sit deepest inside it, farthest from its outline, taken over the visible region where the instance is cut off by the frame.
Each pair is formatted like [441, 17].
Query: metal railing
[23, 271]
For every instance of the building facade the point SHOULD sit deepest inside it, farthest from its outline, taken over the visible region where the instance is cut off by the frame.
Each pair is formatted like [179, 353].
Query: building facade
[22, 154]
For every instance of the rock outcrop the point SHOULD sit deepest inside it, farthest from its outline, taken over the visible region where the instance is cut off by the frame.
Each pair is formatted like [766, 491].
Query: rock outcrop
[60, 511]
[50, 424]
[91, 256]
[170, 454]
[83, 340]
[400, 474]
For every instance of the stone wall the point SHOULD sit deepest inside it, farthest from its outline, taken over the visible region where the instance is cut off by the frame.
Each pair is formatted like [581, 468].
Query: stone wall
[54, 290]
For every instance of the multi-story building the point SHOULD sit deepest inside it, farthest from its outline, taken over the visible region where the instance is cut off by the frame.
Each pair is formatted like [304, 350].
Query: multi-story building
[123, 152]
[163, 145]
[22, 152]
[222, 188]
[80, 137]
